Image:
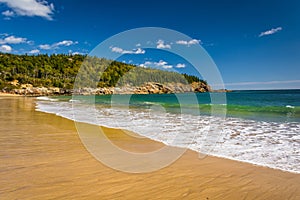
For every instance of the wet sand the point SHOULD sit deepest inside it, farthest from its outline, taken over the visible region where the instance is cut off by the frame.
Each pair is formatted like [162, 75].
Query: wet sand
[42, 157]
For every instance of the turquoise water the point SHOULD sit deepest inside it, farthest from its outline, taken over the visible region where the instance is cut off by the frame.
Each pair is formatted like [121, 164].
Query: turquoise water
[259, 127]
[269, 105]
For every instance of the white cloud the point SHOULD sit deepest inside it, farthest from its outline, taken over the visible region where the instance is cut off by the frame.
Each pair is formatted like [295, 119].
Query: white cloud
[138, 45]
[270, 32]
[188, 43]
[180, 65]
[30, 42]
[45, 46]
[161, 45]
[8, 13]
[13, 40]
[64, 43]
[117, 49]
[31, 8]
[34, 51]
[139, 51]
[57, 44]
[5, 48]
[122, 51]
[167, 66]
[148, 63]
[161, 63]
[77, 53]
[143, 65]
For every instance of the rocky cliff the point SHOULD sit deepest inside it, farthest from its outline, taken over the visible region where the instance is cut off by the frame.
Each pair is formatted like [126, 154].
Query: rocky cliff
[146, 88]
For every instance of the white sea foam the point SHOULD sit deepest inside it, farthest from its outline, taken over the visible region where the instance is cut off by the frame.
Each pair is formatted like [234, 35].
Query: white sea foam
[44, 98]
[289, 106]
[73, 100]
[270, 144]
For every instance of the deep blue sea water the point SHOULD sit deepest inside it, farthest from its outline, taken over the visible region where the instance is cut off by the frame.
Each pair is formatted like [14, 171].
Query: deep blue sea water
[259, 127]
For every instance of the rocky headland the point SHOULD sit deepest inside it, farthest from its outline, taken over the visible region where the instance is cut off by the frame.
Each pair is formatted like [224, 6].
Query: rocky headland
[146, 88]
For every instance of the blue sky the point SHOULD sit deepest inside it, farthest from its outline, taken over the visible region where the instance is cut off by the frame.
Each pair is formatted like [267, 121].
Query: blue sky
[255, 44]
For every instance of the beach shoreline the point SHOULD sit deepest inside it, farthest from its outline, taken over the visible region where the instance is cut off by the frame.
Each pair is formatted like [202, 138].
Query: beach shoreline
[43, 157]
[6, 94]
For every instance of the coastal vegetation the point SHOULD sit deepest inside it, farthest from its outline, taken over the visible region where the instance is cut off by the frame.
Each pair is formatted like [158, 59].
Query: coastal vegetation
[61, 71]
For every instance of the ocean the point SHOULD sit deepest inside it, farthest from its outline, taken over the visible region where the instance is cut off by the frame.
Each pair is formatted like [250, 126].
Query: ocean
[259, 127]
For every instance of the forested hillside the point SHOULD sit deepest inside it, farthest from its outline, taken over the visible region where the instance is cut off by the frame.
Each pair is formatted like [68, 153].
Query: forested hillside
[60, 70]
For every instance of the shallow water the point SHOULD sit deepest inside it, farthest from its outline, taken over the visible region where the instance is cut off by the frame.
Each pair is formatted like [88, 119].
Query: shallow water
[265, 131]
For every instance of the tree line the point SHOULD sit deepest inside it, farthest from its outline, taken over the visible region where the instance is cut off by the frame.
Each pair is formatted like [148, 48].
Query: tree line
[61, 70]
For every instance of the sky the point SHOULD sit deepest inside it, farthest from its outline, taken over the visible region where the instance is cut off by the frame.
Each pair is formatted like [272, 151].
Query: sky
[254, 44]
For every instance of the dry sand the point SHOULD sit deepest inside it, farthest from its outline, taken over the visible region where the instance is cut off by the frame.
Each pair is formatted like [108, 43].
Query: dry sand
[2, 94]
[42, 157]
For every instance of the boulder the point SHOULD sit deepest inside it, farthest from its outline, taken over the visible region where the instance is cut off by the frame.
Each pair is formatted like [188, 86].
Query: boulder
[153, 88]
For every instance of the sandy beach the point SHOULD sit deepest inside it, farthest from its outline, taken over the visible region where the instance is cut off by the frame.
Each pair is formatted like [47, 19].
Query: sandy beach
[2, 94]
[42, 157]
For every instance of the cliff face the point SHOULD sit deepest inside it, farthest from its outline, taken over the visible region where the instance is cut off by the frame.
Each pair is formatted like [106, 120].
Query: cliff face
[147, 88]
[153, 88]
[157, 88]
